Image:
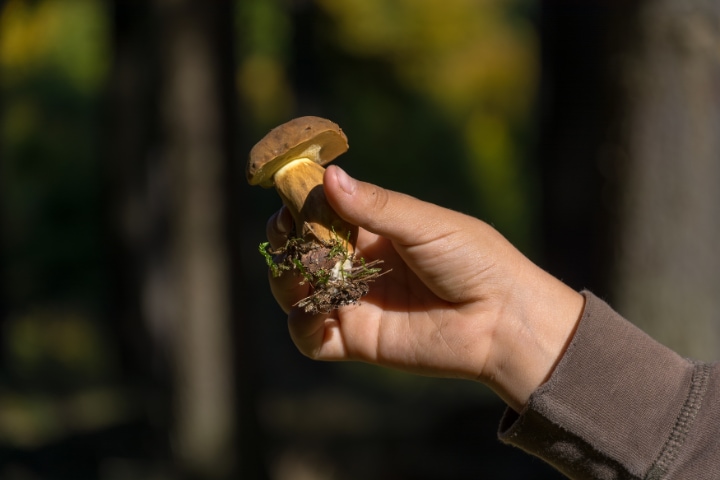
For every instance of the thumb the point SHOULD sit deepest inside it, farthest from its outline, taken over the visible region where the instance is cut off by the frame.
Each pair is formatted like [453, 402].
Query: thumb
[393, 215]
[447, 250]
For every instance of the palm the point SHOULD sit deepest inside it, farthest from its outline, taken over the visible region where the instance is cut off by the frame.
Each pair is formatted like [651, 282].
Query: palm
[406, 322]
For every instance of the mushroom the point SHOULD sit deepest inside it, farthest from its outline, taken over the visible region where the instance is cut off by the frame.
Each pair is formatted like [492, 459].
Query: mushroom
[291, 158]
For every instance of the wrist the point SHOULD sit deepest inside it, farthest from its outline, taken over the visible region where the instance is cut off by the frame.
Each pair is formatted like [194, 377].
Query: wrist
[536, 328]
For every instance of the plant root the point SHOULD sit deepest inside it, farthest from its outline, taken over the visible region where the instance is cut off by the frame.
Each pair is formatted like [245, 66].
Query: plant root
[336, 277]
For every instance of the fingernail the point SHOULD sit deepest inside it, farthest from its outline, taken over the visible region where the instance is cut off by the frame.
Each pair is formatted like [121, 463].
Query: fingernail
[347, 183]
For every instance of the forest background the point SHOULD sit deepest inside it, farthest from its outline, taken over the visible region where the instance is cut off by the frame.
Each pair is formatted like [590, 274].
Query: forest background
[138, 336]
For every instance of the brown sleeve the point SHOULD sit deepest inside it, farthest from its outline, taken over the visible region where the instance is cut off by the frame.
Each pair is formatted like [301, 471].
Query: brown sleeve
[621, 406]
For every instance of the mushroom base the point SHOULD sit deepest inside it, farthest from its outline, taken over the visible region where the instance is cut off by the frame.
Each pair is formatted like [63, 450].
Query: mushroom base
[336, 277]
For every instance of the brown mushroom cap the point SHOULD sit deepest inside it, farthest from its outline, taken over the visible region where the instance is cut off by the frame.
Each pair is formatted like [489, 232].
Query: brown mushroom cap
[315, 138]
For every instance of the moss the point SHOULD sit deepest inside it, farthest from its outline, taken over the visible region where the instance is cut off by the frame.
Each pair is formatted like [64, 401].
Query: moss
[336, 277]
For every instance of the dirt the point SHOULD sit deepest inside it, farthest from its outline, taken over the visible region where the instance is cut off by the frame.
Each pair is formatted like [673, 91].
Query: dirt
[336, 277]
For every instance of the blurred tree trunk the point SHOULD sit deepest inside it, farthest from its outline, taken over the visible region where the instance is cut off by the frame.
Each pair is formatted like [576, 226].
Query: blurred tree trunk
[668, 270]
[195, 129]
[175, 211]
[137, 211]
[630, 154]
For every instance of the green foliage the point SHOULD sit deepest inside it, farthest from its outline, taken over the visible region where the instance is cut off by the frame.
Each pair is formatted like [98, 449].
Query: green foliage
[438, 98]
[340, 245]
[462, 53]
[264, 33]
[54, 57]
[68, 39]
[275, 269]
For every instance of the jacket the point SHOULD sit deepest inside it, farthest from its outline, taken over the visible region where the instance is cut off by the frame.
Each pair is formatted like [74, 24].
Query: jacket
[620, 405]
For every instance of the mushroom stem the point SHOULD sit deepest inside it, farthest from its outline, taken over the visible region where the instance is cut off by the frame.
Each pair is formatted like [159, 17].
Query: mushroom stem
[300, 186]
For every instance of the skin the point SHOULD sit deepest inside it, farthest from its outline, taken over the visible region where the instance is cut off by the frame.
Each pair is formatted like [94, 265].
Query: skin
[460, 300]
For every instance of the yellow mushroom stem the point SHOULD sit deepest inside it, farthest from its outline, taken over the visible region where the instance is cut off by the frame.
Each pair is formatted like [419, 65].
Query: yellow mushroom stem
[300, 186]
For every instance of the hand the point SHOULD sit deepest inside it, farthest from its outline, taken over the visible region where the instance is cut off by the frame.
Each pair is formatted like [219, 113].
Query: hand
[460, 300]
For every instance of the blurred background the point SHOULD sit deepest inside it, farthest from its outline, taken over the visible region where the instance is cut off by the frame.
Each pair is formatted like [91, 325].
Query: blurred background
[138, 338]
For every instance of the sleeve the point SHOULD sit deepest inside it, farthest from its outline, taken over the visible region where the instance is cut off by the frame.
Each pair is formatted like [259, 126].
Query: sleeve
[619, 405]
